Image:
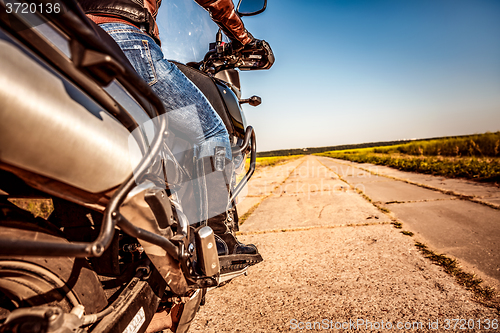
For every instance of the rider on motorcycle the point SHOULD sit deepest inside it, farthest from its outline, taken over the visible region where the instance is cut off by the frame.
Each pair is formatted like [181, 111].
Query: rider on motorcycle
[133, 27]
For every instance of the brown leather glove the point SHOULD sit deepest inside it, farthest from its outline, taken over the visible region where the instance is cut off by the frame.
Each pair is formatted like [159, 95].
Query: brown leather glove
[256, 55]
[236, 45]
[223, 13]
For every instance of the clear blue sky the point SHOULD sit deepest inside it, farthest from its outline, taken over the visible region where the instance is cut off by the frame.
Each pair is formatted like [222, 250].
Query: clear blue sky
[353, 71]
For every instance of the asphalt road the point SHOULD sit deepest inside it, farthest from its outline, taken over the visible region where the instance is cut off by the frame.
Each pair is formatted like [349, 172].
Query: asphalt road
[332, 259]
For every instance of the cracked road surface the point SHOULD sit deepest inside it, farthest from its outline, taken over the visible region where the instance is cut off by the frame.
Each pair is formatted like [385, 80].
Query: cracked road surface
[447, 223]
[331, 257]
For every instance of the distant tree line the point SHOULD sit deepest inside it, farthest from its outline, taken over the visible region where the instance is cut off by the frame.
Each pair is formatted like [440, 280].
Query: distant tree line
[316, 150]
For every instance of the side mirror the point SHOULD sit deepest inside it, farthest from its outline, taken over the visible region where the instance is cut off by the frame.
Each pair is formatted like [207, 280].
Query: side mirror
[251, 7]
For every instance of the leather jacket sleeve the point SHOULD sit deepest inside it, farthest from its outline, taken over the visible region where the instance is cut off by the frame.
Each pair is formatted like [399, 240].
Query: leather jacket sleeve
[223, 13]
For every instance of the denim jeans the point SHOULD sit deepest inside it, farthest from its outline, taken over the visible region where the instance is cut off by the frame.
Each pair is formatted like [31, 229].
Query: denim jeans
[190, 115]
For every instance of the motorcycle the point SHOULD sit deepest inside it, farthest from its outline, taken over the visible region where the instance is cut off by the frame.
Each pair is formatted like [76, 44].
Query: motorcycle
[120, 252]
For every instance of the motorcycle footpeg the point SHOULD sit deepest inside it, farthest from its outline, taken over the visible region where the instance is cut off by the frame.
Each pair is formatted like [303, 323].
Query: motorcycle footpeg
[236, 262]
[228, 276]
[207, 251]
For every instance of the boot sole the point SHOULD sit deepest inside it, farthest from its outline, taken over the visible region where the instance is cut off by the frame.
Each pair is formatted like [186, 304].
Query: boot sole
[235, 262]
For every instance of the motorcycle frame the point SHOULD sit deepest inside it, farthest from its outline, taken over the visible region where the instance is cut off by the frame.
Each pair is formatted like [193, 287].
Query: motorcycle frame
[109, 68]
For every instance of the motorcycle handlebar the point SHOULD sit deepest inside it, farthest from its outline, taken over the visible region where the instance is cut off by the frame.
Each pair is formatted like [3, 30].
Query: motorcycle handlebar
[255, 57]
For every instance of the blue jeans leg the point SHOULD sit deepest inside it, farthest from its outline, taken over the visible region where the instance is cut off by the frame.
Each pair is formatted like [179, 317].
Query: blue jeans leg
[190, 114]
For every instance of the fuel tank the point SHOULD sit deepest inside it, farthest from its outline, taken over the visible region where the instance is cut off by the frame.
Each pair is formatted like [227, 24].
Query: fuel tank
[233, 108]
[48, 126]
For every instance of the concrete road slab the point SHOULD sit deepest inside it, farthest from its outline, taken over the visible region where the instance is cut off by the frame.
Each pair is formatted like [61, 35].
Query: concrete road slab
[246, 204]
[310, 185]
[343, 168]
[332, 273]
[258, 190]
[263, 183]
[357, 180]
[369, 273]
[464, 229]
[312, 169]
[309, 177]
[461, 186]
[350, 172]
[378, 188]
[495, 201]
[388, 191]
[489, 193]
[313, 209]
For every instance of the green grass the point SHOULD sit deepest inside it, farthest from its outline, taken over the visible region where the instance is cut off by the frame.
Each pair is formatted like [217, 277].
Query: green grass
[480, 145]
[397, 225]
[474, 157]
[469, 281]
[38, 207]
[245, 216]
[272, 160]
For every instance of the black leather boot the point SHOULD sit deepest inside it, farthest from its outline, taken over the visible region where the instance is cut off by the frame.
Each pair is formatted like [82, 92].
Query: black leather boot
[233, 255]
[227, 243]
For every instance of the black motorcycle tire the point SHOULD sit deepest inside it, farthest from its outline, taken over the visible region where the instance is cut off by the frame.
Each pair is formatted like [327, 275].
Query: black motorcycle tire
[35, 281]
